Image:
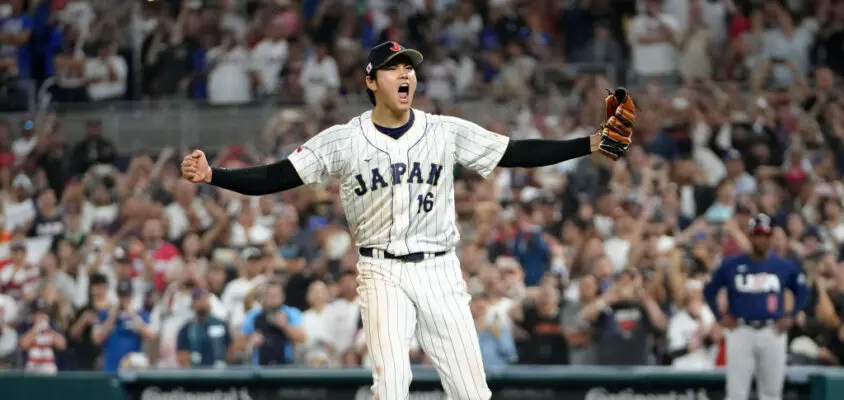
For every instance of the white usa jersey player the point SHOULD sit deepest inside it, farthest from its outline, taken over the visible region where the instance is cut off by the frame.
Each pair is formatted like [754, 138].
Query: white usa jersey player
[398, 194]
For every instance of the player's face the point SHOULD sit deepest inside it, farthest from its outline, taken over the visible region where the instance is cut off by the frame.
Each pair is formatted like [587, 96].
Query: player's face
[761, 243]
[394, 84]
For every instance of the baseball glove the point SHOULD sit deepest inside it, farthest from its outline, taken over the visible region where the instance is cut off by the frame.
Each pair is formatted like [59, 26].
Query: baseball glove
[617, 130]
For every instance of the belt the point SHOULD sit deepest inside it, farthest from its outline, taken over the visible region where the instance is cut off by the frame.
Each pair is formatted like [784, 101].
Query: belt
[758, 324]
[412, 257]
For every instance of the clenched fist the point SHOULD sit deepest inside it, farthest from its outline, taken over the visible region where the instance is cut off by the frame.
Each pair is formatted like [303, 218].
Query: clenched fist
[195, 167]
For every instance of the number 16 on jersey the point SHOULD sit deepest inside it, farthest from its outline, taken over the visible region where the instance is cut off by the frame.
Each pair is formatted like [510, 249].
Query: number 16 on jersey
[426, 202]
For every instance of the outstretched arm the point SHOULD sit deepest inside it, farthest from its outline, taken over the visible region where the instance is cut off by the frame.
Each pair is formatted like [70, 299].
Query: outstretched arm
[258, 180]
[612, 139]
[253, 181]
[540, 152]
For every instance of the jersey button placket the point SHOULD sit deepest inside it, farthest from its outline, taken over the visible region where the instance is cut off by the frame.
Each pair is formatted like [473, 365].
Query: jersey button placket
[401, 204]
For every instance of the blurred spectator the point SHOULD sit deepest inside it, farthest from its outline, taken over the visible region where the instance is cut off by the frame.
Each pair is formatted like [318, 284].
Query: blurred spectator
[268, 57]
[465, 26]
[185, 211]
[579, 332]
[540, 318]
[52, 155]
[441, 77]
[695, 45]
[8, 345]
[19, 208]
[627, 318]
[273, 330]
[785, 47]
[7, 156]
[93, 150]
[19, 279]
[497, 347]
[529, 247]
[290, 74]
[175, 309]
[80, 14]
[41, 340]
[343, 313]
[15, 54]
[319, 78]
[651, 35]
[692, 332]
[121, 329]
[9, 309]
[80, 335]
[229, 81]
[317, 324]
[251, 275]
[23, 146]
[67, 62]
[204, 340]
[603, 48]
[49, 219]
[106, 74]
[512, 72]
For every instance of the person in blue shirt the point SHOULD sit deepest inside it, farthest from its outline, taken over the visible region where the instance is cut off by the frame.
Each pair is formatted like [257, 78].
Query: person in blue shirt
[530, 247]
[121, 330]
[273, 330]
[15, 32]
[757, 319]
[204, 340]
[498, 350]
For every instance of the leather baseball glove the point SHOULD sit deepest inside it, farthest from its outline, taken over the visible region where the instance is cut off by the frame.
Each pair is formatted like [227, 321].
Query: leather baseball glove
[617, 131]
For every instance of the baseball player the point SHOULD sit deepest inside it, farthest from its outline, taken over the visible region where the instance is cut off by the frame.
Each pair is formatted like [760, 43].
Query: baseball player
[395, 166]
[756, 320]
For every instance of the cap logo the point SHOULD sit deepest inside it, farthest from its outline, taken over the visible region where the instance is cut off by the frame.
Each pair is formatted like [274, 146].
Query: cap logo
[368, 68]
[395, 46]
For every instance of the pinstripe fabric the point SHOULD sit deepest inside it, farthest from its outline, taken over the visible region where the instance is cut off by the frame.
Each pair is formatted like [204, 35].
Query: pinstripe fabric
[428, 299]
[398, 299]
[389, 218]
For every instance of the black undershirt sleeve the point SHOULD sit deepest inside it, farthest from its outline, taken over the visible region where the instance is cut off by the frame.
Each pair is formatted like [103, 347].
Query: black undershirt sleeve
[258, 180]
[540, 152]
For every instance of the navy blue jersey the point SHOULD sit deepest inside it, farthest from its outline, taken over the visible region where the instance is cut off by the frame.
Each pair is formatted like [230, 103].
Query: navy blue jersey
[756, 288]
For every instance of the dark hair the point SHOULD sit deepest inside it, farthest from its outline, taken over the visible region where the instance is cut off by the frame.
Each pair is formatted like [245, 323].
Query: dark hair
[370, 93]
[97, 279]
[822, 206]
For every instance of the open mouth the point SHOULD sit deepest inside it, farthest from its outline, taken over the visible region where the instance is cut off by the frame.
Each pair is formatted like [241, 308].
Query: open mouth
[404, 91]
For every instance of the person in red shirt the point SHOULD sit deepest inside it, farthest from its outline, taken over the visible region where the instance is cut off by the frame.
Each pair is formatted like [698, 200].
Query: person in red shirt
[158, 255]
[7, 157]
[18, 278]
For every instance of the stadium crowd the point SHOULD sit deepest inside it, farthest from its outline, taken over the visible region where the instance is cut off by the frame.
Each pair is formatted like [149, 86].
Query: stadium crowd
[112, 261]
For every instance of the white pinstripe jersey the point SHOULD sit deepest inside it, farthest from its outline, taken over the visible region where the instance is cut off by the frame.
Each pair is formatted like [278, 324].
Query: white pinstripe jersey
[398, 194]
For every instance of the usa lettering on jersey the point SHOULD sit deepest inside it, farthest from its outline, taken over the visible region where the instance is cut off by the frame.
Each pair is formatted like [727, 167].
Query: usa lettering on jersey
[758, 283]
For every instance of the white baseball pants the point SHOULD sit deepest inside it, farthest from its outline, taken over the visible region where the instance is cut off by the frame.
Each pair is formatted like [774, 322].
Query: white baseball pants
[428, 299]
[759, 353]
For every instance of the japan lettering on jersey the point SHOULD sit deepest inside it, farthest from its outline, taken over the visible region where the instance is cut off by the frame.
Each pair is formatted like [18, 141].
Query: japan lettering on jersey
[758, 283]
[398, 194]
